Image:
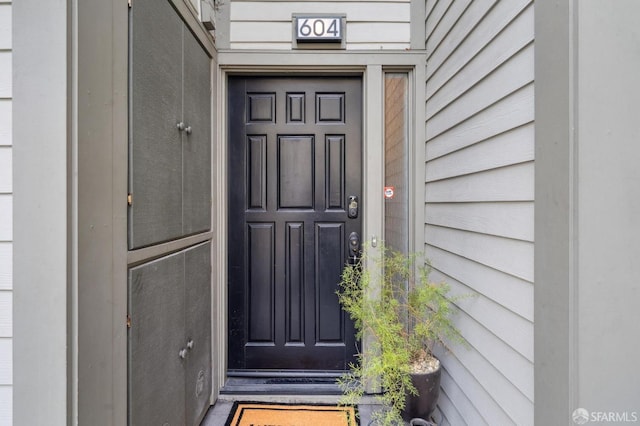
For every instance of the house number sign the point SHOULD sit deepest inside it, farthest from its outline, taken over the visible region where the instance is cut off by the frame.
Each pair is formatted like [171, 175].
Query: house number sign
[319, 28]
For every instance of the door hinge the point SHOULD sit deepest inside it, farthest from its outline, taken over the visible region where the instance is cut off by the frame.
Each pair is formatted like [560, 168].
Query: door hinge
[130, 199]
[128, 321]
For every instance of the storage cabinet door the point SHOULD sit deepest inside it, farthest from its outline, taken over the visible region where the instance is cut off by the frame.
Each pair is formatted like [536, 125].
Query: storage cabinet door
[155, 157]
[156, 336]
[198, 331]
[196, 144]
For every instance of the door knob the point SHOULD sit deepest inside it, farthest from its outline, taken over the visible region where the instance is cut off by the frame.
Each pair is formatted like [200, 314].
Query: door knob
[354, 243]
[184, 128]
[354, 247]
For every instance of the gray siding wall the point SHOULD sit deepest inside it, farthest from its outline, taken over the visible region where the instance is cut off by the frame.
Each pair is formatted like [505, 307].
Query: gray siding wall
[41, 256]
[479, 208]
[587, 210]
[6, 207]
[267, 25]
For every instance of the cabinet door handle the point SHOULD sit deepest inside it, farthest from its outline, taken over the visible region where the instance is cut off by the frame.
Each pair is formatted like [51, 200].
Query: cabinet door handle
[183, 353]
[190, 344]
[187, 130]
[181, 126]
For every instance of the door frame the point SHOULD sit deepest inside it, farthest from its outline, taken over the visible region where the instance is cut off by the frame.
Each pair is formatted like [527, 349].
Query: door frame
[370, 66]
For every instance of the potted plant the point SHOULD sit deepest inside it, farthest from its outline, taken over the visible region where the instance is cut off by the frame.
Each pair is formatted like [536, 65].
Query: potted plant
[401, 314]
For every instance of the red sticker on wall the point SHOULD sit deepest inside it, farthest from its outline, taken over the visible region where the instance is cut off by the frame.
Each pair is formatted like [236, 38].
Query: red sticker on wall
[389, 192]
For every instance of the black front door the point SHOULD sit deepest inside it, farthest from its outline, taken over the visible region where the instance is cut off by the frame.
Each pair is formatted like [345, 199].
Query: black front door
[294, 170]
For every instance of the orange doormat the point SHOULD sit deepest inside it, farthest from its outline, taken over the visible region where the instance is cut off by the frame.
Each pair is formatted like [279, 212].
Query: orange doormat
[259, 414]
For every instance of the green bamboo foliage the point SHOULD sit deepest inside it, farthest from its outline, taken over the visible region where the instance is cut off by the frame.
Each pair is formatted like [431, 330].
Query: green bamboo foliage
[402, 315]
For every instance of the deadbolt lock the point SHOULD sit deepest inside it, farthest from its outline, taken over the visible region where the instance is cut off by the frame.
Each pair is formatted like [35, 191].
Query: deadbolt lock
[352, 208]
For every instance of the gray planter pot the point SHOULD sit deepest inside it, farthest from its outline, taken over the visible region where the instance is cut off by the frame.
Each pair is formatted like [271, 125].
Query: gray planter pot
[422, 405]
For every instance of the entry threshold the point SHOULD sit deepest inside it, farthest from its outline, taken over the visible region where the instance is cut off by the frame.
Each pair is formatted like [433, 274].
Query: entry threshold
[282, 382]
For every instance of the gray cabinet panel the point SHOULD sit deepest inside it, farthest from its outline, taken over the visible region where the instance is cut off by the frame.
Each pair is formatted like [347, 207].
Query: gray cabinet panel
[169, 166]
[198, 330]
[197, 143]
[155, 157]
[170, 339]
[156, 309]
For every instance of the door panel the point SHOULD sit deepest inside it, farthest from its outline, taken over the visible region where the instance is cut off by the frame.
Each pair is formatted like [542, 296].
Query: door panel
[334, 179]
[257, 175]
[294, 158]
[329, 260]
[294, 264]
[295, 172]
[261, 282]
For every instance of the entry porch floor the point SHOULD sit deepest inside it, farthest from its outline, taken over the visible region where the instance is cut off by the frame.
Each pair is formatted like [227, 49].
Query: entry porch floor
[217, 414]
